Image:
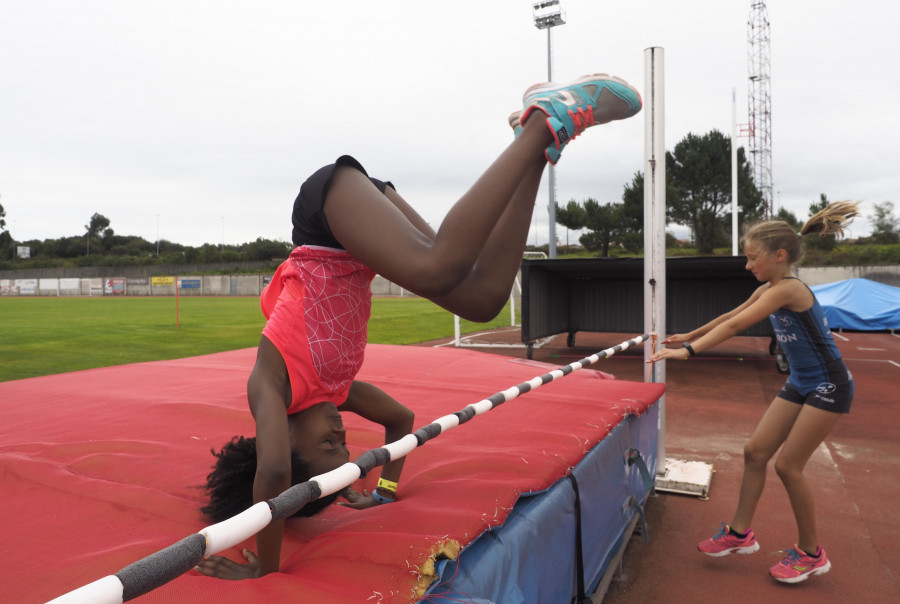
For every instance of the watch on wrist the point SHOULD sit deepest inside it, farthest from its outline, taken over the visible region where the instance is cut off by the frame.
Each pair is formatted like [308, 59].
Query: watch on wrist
[381, 499]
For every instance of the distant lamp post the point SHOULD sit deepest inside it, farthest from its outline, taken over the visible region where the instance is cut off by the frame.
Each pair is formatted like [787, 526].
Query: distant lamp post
[547, 15]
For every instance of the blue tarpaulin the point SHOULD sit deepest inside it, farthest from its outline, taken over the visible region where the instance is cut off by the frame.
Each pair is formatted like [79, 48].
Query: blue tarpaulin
[859, 304]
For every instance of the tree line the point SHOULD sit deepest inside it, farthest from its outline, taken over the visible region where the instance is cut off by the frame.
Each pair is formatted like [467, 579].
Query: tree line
[101, 246]
[698, 196]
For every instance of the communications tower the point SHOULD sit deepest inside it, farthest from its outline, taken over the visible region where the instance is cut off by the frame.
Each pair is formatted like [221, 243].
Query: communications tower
[760, 130]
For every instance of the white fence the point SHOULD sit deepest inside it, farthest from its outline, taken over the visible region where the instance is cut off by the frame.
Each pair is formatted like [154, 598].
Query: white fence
[187, 285]
[252, 285]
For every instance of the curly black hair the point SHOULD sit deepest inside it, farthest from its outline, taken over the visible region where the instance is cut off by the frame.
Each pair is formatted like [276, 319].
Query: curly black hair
[230, 483]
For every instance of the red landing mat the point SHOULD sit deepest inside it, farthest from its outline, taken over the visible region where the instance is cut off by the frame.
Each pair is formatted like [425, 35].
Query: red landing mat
[101, 468]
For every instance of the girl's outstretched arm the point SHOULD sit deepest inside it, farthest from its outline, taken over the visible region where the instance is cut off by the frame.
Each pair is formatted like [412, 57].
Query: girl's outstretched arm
[679, 338]
[764, 301]
[372, 403]
[266, 390]
[266, 395]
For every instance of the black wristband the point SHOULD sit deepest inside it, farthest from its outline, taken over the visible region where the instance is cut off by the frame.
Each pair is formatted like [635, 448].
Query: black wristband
[690, 348]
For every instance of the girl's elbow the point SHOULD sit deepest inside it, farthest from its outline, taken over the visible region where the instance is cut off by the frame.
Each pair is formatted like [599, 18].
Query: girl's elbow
[404, 420]
[732, 328]
[401, 424]
[409, 419]
[271, 478]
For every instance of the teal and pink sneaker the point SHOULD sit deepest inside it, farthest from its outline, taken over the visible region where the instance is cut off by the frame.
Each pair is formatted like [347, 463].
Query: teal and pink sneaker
[798, 566]
[725, 542]
[515, 122]
[572, 108]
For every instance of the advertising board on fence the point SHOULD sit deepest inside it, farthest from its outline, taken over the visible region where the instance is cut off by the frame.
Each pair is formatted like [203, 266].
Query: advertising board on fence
[49, 285]
[189, 282]
[27, 286]
[114, 286]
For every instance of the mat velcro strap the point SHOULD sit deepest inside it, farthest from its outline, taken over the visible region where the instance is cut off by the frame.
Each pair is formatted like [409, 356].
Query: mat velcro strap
[633, 457]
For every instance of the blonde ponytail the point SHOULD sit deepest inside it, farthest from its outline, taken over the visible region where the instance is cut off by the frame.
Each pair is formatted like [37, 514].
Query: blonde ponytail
[832, 220]
[773, 235]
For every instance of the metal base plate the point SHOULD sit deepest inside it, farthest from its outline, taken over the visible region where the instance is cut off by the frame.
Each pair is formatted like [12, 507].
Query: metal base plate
[685, 477]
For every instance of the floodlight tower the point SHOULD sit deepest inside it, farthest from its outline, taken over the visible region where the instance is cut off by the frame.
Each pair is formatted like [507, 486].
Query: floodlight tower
[760, 100]
[547, 15]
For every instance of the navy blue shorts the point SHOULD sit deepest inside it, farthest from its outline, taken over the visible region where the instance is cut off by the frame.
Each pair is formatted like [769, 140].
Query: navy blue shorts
[826, 396]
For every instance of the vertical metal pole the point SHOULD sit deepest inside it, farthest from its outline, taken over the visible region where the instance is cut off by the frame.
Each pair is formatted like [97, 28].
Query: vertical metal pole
[551, 207]
[655, 225]
[734, 175]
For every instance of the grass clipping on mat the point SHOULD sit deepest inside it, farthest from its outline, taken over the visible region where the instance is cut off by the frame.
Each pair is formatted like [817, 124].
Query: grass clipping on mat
[444, 550]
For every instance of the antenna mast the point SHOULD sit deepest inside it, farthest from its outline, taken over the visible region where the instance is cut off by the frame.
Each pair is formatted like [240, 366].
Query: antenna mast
[760, 100]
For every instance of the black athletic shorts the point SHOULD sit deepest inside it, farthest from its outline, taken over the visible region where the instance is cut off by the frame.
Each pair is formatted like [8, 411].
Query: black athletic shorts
[826, 396]
[310, 225]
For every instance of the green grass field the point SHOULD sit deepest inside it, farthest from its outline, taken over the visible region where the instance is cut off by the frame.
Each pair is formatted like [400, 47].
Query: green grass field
[42, 336]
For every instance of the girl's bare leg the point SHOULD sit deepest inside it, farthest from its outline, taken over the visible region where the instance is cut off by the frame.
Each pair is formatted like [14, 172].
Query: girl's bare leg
[379, 234]
[484, 292]
[771, 432]
[808, 432]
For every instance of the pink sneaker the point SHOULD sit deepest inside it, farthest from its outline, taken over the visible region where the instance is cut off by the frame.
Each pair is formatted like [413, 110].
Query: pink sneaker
[797, 566]
[724, 543]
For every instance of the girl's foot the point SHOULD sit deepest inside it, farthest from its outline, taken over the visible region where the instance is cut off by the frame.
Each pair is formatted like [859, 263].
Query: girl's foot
[799, 566]
[572, 108]
[515, 122]
[726, 542]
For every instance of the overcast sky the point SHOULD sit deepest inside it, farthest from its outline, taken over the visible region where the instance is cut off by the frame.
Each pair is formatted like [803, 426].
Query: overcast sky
[197, 121]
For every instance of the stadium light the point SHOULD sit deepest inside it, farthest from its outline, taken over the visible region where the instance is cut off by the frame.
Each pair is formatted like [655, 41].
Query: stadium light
[547, 15]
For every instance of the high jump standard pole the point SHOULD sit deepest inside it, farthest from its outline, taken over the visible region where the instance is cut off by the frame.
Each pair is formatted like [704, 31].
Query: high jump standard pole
[655, 226]
[672, 475]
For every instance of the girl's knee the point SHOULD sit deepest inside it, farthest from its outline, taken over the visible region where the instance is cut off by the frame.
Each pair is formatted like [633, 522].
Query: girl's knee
[786, 470]
[486, 311]
[439, 281]
[755, 455]
[479, 309]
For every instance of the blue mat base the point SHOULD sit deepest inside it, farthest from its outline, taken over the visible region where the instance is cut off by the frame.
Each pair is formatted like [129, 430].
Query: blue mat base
[532, 556]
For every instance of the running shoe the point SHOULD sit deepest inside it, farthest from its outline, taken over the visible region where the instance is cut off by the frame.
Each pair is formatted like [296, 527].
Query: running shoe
[797, 566]
[572, 108]
[515, 122]
[724, 543]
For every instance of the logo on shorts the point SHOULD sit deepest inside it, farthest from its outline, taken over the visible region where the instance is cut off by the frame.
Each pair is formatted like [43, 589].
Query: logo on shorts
[826, 388]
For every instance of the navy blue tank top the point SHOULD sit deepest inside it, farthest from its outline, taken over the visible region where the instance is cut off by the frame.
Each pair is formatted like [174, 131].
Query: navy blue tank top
[807, 343]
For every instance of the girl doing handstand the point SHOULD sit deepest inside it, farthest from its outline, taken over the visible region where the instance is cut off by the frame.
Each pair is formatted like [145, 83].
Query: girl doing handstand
[347, 228]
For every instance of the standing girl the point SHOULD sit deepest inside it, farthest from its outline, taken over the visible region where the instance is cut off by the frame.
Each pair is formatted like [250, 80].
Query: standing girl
[347, 228]
[818, 391]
